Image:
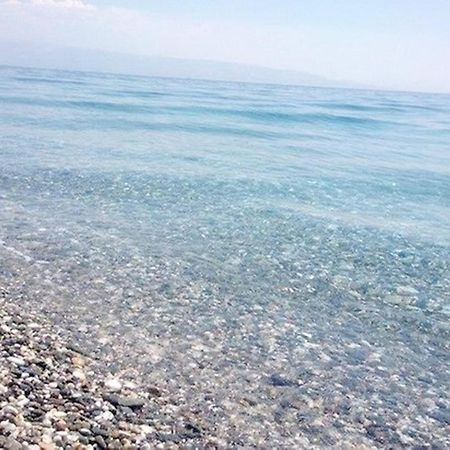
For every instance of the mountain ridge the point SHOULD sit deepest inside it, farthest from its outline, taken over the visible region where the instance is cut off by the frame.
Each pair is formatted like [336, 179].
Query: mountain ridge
[92, 60]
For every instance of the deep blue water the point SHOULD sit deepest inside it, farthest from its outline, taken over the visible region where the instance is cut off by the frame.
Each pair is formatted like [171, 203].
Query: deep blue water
[225, 232]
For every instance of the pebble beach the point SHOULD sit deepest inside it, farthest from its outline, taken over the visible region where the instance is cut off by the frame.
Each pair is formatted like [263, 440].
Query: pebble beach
[51, 397]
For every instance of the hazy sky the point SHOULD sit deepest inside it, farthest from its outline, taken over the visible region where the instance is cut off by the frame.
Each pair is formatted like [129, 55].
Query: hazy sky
[400, 44]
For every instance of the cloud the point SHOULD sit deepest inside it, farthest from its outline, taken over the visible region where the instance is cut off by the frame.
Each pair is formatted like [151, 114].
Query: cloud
[64, 4]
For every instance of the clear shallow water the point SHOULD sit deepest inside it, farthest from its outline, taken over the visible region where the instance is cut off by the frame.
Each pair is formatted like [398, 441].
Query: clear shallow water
[276, 259]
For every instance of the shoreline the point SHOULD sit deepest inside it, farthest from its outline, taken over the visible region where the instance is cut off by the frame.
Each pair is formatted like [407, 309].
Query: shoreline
[52, 396]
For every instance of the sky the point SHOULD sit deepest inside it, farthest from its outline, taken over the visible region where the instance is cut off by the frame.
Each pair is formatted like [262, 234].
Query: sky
[391, 44]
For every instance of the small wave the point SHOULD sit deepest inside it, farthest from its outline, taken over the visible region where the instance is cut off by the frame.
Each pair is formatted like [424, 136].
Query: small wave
[110, 106]
[398, 106]
[48, 80]
[349, 107]
[141, 94]
[281, 117]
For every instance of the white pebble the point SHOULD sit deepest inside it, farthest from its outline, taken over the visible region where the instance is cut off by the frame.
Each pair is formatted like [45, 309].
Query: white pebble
[78, 373]
[106, 416]
[16, 360]
[113, 384]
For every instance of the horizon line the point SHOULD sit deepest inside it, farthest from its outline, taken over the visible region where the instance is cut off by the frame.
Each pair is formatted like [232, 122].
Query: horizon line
[213, 80]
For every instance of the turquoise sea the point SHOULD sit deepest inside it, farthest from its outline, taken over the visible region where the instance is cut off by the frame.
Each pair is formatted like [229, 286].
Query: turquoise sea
[275, 258]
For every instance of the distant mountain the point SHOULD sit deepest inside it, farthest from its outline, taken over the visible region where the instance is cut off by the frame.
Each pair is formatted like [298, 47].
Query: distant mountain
[67, 58]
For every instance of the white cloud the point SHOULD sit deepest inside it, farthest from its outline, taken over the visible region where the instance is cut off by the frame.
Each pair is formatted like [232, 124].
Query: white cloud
[66, 4]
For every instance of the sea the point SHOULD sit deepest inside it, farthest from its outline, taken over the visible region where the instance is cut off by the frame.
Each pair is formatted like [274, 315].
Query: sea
[275, 259]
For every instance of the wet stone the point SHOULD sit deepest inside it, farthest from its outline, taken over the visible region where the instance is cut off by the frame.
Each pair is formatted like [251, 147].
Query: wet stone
[441, 415]
[281, 381]
[154, 391]
[129, 402]
[12, 444]
[100, 442]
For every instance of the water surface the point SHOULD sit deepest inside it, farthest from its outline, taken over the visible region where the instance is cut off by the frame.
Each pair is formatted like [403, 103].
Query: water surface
[276, 259]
